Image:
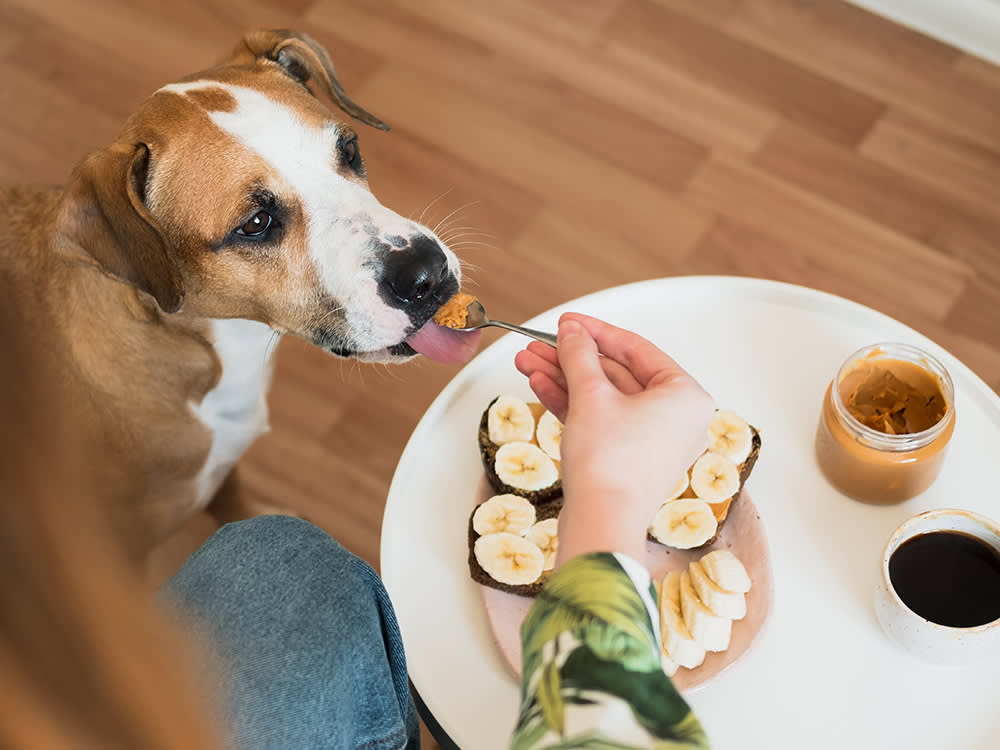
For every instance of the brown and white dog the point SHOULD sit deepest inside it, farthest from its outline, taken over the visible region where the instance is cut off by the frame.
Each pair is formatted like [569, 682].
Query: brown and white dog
[233, 205]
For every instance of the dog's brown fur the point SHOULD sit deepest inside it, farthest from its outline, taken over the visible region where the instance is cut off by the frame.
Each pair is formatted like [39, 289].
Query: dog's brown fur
[119, 282]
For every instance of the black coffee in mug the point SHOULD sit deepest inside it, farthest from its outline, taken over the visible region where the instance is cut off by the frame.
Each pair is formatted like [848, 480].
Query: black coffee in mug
[948, 577]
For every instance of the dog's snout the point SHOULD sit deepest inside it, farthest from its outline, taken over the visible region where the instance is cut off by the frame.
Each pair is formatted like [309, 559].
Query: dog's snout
[413, 272]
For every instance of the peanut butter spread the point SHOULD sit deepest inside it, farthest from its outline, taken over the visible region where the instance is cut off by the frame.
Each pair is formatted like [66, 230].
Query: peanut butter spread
[453, 313]
[893, 397]
[907, 401]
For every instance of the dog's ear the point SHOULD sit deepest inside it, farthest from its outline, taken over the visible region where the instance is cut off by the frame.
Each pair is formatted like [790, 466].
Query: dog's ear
[303, 59]
[107, 214]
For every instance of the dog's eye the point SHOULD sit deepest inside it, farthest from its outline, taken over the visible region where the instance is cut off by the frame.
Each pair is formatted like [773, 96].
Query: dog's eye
[350, 153]
[259, 223]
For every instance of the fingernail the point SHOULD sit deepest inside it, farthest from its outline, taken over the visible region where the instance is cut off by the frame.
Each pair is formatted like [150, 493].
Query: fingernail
[569, 328]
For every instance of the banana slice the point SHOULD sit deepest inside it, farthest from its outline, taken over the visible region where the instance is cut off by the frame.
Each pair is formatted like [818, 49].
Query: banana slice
[509, 558]
[544, 535]
[715, 478]
[684, 524]
[678, 645]
[731, 604]
[503, 513]
[525, 466]
[729, 435]
[678, 490]
[708, 629]
[549, 434]
[509, 419]
[726, 570]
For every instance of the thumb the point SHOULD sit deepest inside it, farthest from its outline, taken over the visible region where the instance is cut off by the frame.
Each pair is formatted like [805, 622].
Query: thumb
[578, 358]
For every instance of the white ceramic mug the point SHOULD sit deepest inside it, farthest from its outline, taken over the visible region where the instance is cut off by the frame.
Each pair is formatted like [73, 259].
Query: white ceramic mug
[921, 637]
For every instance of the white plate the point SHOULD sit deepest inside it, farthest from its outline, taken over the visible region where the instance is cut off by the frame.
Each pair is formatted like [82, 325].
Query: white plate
[822, 674]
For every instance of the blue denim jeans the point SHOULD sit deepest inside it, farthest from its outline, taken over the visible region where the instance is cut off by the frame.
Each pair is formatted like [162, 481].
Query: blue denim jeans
[306, 650]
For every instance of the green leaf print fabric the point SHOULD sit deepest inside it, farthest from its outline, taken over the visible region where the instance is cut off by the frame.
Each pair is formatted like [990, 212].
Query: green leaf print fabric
[592, 678]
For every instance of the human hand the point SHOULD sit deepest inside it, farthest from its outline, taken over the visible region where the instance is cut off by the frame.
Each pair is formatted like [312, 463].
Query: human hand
[634, 421]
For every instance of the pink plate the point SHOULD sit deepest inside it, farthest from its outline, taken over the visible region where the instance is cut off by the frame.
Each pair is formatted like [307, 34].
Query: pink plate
[743, 534]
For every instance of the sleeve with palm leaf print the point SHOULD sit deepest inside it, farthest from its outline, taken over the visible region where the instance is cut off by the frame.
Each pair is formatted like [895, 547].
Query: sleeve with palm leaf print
[592, 676]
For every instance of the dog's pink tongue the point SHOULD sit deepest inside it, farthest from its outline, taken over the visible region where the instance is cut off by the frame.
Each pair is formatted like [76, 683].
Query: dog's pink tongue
[445, 345]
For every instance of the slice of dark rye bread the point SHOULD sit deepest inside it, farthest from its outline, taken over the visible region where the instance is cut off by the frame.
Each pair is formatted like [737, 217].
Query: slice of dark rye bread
[488, 451]
[542, 512]
[552, 509]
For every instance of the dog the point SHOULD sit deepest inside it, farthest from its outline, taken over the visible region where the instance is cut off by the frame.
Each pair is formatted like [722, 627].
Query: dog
[233, 207]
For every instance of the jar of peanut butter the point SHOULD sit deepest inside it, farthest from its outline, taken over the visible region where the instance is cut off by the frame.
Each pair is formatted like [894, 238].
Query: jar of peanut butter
[887, 418]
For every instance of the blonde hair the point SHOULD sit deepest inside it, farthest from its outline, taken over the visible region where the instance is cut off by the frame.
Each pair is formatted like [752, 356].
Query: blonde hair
[85, 660]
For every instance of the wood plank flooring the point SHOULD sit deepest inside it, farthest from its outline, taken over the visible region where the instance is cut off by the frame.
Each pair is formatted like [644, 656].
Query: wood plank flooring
[565, 147]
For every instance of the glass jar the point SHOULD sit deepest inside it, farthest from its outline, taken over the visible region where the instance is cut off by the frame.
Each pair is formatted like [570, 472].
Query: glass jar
[867, 446]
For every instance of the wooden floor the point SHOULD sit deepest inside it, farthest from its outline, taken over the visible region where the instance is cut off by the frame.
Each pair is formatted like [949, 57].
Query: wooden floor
[566, 146]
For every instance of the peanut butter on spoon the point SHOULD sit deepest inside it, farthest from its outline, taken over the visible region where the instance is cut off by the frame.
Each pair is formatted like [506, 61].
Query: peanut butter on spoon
[453, 313]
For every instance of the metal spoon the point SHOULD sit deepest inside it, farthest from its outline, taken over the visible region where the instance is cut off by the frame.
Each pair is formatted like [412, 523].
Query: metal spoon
[477, 319]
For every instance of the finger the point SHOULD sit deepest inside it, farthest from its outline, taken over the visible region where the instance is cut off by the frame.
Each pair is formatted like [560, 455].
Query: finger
[551, 394]
[540, 359]
[578, 358]
[544, 351]
[641, 357]
[528, 363]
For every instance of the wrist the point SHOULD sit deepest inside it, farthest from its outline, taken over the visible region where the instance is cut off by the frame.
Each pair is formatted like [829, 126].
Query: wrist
[619, 505]
[609, 521]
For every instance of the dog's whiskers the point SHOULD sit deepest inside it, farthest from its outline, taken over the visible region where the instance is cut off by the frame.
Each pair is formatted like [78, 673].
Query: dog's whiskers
[329, 314]
[459, 240]
[468, 266]
[475, 245]
[420, 219]
[352, 364]
[440, 224]
[392, 372]
[466, 237]
[453, 234]
[470, 237]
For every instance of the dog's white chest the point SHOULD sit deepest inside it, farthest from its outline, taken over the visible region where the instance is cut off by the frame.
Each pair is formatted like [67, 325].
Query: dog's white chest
[236, 409]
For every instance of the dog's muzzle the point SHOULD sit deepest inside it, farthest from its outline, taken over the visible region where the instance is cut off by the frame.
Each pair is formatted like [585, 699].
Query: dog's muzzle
[415, 277]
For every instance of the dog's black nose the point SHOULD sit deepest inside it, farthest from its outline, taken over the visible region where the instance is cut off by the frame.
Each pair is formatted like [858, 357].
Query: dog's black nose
[413, 272]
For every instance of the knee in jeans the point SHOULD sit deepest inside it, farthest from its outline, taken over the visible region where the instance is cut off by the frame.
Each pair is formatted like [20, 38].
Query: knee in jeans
[269, 529]
[286, 541]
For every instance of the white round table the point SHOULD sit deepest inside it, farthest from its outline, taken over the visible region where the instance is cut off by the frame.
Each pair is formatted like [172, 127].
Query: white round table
[822, 674]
